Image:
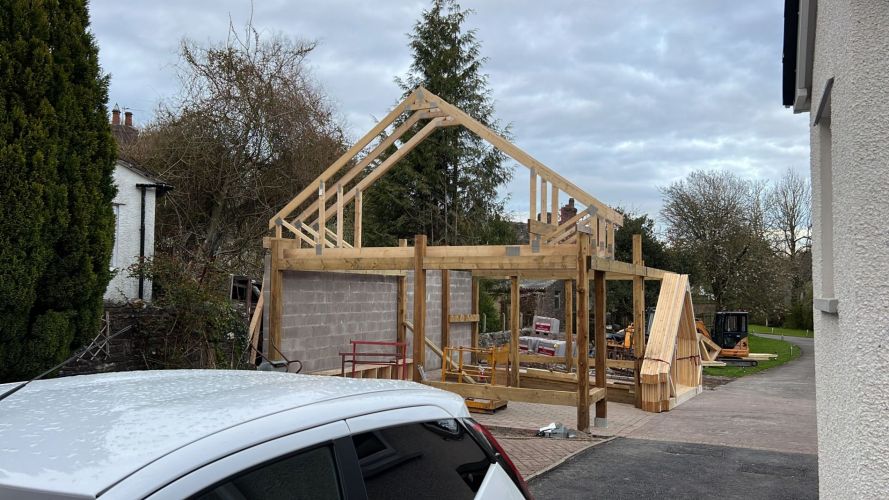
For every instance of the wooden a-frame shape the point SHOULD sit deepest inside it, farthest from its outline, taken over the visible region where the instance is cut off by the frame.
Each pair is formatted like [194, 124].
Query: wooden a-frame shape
[424, 106]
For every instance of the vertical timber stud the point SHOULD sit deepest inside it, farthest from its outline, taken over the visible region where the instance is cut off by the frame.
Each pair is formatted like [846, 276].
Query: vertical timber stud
[638, 317]
[322, 222]
[445, 310]
[532, 213]
[339, 216]
[276, 308]
[475, 325]
[515, 328]
[555, 208]
[401, 314]
[357, 237]
[601, 349]
[569, 324]
[419, 307]
[544, 206]
[583, 334]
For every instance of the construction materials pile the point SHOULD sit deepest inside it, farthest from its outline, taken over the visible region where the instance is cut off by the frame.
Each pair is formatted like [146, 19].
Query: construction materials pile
[671, 370]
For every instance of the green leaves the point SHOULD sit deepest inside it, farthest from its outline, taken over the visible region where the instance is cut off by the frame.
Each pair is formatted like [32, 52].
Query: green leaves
[57, 157]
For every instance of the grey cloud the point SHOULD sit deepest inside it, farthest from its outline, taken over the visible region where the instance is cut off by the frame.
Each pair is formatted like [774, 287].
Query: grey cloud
[621, 97]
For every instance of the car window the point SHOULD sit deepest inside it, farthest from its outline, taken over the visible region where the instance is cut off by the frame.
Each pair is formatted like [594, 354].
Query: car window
[437, 459]
[310, 474]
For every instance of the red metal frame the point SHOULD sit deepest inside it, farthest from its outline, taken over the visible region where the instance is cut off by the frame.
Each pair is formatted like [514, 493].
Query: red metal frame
[356, 357]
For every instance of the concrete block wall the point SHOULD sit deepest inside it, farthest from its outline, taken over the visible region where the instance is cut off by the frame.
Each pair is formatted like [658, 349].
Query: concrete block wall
[461, 303]
[323, 311]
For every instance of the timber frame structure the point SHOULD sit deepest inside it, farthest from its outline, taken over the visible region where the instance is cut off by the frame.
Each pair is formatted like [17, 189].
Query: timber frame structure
[309, 236]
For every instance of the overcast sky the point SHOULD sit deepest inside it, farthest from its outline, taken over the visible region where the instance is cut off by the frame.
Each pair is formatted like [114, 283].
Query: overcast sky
[620, 97]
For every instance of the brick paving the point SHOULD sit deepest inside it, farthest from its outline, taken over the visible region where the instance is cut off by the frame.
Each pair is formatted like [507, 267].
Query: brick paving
[622, 418]
[515, 426]
[535, 455]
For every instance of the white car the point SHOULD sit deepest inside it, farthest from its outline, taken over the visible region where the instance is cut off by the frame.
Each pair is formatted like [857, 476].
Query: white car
[233, 435]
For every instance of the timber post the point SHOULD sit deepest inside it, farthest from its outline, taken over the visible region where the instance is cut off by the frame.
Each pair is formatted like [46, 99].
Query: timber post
[639, 326]
[401, 303]
[419, 308]
[515, 329]
[583, 335]
[601, 349]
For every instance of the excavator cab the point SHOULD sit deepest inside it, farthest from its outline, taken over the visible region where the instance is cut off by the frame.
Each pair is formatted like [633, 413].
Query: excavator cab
[729, 328]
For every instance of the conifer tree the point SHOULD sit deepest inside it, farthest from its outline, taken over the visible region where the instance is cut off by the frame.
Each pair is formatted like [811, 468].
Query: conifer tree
[447, 187]
[56, 160]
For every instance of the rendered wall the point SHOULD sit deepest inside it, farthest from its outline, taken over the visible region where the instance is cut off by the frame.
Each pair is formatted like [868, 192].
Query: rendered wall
[851, 347]
[323, 311]
[128, 203]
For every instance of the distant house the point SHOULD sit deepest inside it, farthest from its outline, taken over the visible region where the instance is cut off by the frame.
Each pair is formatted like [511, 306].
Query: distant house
[836, 68]
[137, 191]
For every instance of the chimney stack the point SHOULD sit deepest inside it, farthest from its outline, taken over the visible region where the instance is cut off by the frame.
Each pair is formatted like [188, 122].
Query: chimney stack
[567, 211]
[128, 119]
[115, 115]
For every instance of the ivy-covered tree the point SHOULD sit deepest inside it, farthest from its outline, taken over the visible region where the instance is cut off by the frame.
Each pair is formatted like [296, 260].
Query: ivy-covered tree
[447, 187]
[56, 159]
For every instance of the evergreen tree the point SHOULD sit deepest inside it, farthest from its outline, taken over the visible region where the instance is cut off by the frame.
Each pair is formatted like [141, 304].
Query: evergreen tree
[56, 159]
[447, 187]
[654, 254]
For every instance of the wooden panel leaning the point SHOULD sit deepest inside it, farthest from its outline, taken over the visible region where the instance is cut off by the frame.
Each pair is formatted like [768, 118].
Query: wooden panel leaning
[671, 369]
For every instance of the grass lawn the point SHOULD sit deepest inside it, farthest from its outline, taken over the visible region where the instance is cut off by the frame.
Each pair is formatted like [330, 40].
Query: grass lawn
[778, 331]
[758, 344]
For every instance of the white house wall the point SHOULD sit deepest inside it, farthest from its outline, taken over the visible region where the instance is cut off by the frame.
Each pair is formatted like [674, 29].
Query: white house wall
[852, 346]
[128, 202]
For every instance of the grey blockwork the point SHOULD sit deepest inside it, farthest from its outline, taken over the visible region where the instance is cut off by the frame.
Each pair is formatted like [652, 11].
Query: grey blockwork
[323, 311]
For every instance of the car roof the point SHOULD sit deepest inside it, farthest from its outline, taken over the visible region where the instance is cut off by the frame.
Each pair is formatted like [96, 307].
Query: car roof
[79, 435]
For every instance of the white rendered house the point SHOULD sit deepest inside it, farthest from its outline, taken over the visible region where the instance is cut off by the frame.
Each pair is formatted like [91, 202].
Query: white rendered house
[134, 208]
[836, 68]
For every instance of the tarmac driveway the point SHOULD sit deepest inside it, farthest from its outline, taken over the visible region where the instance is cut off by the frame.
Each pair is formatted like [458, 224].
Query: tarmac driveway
[754, 437]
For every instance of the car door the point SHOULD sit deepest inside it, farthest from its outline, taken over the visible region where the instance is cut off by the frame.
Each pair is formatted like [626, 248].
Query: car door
[317, 463]
[424, 452]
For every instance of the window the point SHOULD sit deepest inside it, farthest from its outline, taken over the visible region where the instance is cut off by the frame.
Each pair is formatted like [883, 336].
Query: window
[425, 460]
[825, 175]
[309, 474]
[557, 300]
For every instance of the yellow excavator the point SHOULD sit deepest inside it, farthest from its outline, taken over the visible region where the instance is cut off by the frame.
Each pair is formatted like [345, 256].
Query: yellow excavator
[729, 332]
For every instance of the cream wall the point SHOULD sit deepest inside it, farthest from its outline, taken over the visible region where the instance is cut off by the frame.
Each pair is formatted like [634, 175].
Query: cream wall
[128, 204]
[851, 164]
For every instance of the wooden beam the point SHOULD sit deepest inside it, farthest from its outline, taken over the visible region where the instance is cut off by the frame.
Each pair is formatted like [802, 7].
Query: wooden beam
[345, 158]
[339, 216]
[583, 335]
[473, 336]
[419, 307]
[320, 238]
[255, 323]
[381, 148]
[532, 210]
[524, 158]
[569, 323]
[539, 228]
[544, 206]
[565, 226]
[445, 309]
[515, 328]
[638, 318]
[358, 208]
[394, 158]
[487, 391]
[276, 299]
[601, 349]
[401, 303]
[463, 318]
[554, 220]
